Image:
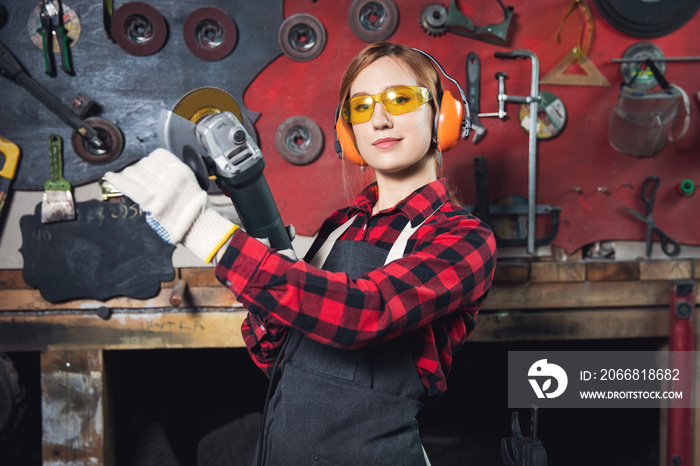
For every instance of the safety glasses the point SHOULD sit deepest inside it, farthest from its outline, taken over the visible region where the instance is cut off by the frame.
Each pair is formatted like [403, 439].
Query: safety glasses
[397, 101]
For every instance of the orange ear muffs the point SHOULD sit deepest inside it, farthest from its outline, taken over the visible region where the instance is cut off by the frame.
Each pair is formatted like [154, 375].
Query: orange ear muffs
[345, 145]
[449, 122]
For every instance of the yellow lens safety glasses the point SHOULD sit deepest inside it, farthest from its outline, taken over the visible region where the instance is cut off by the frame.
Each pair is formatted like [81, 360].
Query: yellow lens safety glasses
[397, 101]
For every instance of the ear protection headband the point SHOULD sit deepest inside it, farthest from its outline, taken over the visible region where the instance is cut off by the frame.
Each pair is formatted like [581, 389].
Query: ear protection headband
[451, 120]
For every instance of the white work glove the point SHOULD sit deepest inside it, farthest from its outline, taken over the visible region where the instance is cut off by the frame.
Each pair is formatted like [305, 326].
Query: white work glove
[177, 208]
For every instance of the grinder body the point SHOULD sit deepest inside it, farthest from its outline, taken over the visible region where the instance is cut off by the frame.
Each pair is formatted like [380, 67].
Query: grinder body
[219, 145]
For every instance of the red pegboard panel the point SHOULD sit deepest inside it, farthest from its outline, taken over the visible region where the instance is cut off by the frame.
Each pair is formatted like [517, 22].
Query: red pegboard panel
[580, 157]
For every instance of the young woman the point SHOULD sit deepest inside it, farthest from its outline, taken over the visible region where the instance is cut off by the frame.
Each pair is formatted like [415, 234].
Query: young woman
[361, 334]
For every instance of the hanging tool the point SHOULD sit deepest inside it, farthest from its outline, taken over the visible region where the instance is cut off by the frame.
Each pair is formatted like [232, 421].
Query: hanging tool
[57, 204]
[436, 20]
[533, 100]
[217, 144]
[9, 159]
[107, 12]
[668, 245]
[506, 212]
[522, 451]
[578, 54]
[473, 88]
[51, 16]
[99, 137]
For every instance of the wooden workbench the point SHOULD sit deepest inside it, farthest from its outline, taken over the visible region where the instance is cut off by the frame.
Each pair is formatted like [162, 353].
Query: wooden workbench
[544, 300]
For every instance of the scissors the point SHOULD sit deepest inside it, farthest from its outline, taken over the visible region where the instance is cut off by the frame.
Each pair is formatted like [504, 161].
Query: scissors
[668, 245]
[51, 16]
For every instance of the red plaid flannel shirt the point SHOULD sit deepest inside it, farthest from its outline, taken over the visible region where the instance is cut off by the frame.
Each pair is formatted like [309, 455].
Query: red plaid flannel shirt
[432, 293]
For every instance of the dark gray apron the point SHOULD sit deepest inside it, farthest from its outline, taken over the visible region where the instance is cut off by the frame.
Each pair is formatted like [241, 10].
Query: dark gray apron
[346, 407]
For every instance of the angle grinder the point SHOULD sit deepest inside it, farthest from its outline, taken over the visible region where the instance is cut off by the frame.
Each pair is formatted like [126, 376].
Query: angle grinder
[205, 131]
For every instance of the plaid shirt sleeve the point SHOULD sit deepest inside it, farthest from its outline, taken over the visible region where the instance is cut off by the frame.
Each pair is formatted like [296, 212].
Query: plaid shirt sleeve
[434, 292]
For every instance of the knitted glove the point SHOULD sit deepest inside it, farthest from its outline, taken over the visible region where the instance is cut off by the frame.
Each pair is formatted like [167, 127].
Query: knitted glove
[177, 208]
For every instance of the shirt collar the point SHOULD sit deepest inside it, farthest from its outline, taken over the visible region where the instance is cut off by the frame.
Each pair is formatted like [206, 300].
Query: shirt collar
[417, 206]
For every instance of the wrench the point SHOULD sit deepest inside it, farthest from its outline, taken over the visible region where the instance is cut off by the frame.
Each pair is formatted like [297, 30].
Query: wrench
[12, 70]
[473, 85]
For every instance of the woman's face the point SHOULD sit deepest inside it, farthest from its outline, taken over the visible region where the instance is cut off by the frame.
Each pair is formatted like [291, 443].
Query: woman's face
[391, 143]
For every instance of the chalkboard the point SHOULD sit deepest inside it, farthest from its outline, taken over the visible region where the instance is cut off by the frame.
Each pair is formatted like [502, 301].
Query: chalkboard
[107, 251]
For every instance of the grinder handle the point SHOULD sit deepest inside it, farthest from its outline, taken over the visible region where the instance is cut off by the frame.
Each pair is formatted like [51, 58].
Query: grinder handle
[257, 208]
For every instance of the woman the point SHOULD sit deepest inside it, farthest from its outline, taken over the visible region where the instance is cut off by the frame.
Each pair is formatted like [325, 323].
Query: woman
[363, 331]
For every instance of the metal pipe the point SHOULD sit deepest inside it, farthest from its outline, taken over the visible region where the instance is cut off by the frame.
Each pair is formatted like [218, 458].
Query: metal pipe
[533, 99]
[532, 149]
[642, 59]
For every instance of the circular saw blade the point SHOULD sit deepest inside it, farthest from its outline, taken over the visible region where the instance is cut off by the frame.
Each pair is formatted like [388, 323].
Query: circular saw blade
[205, 101]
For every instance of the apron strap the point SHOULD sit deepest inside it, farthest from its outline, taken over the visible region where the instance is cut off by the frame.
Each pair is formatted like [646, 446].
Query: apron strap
[399, 247]
[322, 254]
[396, 251]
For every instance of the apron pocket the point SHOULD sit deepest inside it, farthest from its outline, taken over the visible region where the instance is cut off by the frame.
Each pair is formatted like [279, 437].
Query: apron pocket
[326, 359]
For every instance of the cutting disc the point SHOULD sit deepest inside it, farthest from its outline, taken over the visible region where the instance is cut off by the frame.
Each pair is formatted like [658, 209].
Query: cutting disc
[206, 101]
[551, 116]
[647, 18]
[644, 79]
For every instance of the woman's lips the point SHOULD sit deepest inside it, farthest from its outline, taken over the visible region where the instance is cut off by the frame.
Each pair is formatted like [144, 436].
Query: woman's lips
[386, 143]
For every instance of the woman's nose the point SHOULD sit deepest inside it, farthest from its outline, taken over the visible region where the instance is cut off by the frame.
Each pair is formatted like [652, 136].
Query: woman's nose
[380, 117]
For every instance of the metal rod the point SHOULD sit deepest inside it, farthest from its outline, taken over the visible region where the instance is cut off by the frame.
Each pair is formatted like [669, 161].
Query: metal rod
[532, 150]
[533, 99]
[642, 59]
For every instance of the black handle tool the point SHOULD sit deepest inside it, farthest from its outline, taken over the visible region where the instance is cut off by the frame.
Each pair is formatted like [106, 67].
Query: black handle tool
[473, 89]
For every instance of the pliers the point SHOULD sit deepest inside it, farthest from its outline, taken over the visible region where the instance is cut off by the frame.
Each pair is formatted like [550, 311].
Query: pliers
[51, 16]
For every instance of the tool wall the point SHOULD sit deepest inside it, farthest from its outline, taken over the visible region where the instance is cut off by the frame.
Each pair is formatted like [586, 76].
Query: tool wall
[282, 62]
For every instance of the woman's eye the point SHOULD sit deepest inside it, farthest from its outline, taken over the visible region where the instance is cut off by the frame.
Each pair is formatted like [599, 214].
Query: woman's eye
[401, 99]
[361, 108]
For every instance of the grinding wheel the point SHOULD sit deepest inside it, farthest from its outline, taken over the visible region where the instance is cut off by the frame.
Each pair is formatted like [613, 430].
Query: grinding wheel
[110, 135]
[302, 37]
[205, 101]
[299, 140]
[139, 29]
[373, 20]
[200, 103]
[210, 33]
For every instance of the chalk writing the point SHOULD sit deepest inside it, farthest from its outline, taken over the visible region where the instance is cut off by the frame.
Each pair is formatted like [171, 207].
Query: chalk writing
[115, 212]
[41, 236]
[172, 326]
